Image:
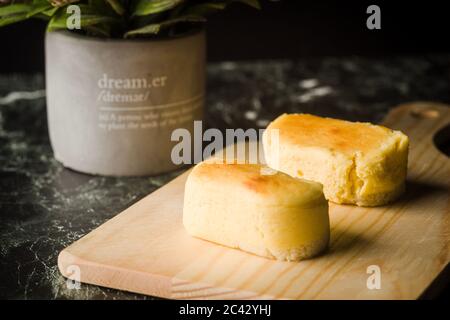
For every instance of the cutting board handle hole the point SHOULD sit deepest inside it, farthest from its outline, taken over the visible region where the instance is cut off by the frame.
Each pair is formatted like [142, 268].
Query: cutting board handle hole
[425, 113]
[442, 140]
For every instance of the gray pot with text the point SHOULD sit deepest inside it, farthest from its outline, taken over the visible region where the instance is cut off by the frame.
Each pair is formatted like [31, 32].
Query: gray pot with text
[113, 103]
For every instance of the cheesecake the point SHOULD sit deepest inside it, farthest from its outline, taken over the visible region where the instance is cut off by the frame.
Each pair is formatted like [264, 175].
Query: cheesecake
[271, 215]
[357, 162]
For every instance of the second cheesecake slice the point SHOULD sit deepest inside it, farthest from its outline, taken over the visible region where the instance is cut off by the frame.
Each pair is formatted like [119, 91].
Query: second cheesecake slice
[357, 163]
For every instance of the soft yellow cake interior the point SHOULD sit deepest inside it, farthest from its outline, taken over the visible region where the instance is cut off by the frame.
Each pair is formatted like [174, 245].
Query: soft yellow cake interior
[357, 163]
[271, 215]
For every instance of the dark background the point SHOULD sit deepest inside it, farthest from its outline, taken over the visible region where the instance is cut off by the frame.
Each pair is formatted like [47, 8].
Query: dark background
[283, 29]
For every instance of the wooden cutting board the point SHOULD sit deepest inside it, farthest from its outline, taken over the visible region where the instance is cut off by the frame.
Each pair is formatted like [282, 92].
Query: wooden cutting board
[145, 249]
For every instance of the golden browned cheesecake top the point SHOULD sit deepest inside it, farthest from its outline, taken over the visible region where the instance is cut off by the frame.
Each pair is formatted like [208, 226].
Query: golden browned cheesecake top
[253, 178]
[340, 135]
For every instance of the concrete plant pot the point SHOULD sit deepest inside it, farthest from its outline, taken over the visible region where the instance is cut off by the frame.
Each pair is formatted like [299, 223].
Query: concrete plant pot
[113, 104]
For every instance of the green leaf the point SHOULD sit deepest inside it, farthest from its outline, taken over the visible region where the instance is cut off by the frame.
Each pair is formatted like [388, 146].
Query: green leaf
[50, 12]
[252, 3]
[58, 21]
[40, 2]
[155, 28]
[117, 6]
[98, 30]
[89, 20]
[204, 9]
[61, 3]
[4, 21]
[14, 9]
[17, 12]
[100, 6]
[42, 16]
[38, 9]
[145, 7]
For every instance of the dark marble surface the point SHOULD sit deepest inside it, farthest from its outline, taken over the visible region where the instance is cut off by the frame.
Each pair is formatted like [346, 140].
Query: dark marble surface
[45, 207]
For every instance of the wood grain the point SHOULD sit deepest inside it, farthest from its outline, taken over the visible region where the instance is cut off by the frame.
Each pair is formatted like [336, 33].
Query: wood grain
[146, 250]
